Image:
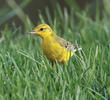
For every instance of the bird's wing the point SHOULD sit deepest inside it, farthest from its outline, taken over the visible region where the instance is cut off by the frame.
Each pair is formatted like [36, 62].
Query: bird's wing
[66, 44]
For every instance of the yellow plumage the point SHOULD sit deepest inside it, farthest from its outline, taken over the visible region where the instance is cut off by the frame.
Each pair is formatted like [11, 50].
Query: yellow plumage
[54, 47]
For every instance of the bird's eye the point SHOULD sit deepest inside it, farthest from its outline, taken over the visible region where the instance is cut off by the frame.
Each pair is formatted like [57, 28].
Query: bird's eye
[41, 29]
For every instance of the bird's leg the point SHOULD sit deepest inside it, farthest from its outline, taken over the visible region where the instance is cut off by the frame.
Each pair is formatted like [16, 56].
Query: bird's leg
[53, 65]
[52, 62]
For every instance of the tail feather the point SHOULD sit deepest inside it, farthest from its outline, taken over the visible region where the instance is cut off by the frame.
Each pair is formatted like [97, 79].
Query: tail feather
[77, 49]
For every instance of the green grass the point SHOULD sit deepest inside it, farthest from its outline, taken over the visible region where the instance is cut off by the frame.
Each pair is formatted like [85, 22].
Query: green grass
[26, 74]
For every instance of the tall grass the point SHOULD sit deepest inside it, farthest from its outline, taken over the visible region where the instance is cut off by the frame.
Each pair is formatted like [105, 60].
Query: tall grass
[26, 74]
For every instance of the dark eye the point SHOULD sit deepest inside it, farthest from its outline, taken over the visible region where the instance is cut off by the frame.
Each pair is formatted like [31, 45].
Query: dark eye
[41, 29]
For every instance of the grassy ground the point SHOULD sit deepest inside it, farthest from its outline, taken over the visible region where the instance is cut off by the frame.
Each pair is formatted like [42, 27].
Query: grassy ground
[26, 74]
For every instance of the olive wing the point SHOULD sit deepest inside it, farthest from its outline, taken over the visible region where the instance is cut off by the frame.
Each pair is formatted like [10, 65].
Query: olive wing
[66, 44]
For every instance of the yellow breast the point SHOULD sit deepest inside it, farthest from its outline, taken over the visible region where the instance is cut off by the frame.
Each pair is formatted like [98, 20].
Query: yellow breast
[54, 51]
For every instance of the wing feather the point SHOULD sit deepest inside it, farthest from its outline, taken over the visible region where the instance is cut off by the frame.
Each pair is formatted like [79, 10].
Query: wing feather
[66, 44]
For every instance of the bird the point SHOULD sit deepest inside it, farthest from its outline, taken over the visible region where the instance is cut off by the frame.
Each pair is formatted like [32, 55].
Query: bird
[53, 46]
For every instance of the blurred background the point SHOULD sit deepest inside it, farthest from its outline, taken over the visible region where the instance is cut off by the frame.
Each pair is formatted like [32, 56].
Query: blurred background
[17, 11]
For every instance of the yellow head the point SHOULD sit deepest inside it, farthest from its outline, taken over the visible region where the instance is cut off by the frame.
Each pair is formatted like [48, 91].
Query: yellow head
[42, 30]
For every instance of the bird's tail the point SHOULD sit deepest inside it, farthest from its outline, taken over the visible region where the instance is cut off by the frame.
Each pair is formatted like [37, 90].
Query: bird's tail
[77, 49]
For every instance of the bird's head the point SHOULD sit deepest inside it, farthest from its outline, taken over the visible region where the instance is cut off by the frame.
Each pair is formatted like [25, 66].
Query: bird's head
[42, 30]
